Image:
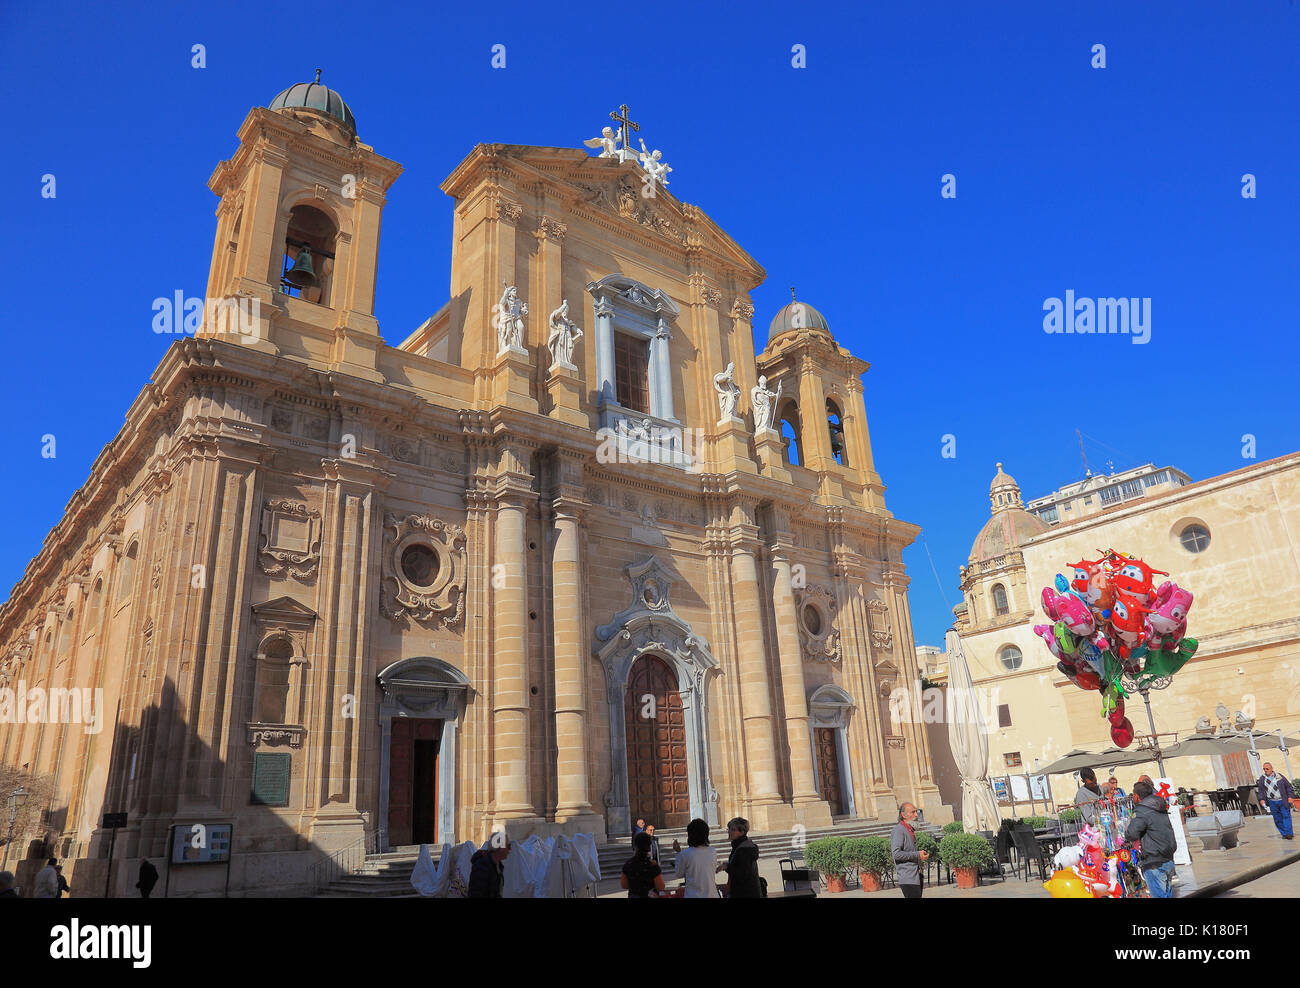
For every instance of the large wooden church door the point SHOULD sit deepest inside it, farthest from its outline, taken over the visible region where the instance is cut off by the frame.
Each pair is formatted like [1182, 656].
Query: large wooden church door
[413, 781]
[658, 783]
[828, 769]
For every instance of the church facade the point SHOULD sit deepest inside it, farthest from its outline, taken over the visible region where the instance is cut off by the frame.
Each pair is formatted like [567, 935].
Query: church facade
[538, 567]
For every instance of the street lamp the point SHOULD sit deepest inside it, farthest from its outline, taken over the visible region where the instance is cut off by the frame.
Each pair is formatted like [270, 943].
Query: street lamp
[16, 800]
[1144, 685]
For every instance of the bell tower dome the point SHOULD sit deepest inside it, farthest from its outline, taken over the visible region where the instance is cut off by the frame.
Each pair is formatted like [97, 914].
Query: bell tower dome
[298, 229]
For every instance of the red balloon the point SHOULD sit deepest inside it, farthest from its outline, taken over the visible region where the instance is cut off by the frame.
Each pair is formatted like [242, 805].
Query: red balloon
[1088, 679]
[1122, 734]
[1117, 715]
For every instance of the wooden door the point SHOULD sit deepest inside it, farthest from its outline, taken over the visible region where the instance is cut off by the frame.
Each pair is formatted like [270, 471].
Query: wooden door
[413, 781]
[828, 769]
[658, 782]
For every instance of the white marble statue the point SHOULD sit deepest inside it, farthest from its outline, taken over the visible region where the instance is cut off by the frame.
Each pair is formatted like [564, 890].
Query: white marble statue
[651, 163]
[764, 403]
[564, 334]
[510, 319]
[728, 392]
[607, 141]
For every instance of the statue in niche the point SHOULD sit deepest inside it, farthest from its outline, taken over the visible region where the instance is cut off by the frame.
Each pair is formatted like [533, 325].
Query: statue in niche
[510, 319]
[728, 392]
[764, 402]
[564, 334]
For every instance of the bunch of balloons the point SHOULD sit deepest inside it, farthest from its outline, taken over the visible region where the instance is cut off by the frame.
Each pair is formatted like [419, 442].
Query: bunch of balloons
[1111, 621]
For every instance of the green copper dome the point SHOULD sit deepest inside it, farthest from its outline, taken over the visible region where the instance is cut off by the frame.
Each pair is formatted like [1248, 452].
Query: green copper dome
[314, 96]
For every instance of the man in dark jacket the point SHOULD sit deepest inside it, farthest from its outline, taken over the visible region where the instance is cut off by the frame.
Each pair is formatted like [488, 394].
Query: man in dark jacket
[148, 878]
[486, 869]
[1151, 826]
[742, 864]
[907, 859]
[1276, 793]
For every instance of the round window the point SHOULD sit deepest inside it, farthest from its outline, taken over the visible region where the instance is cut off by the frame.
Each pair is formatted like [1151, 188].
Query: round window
[1195, 538]
[812, 620]
[420, 565]
[1011, 658]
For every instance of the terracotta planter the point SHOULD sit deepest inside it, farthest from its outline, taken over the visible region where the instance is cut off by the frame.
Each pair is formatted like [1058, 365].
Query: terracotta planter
[870, 881]
[967, 878]
[834, 883]
[1295, 803]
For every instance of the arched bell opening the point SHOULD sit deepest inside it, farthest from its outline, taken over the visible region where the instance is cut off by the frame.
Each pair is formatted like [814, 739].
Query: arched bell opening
[309, 245]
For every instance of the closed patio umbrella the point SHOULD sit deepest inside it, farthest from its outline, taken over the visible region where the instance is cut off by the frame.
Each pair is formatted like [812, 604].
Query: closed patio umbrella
[968, 738]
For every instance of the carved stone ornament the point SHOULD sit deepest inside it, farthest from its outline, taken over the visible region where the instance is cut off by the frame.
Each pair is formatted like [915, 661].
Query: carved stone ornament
[424, 567]
[275, 735]
[291, 536]
[882, 636]
[818, 639]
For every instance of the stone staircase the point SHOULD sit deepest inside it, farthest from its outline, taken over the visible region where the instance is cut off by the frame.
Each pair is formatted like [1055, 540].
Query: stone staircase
[388, 875]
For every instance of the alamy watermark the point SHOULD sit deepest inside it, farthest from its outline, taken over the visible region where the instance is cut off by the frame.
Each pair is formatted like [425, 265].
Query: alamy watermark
[1131, 316]
[646, 442]
[56, 705]
[238, 316]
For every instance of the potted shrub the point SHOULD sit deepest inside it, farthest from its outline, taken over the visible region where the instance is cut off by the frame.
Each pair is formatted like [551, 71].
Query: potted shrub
[873, 858]
[1071, 816]
[926, 842]
[1295, 789]
[956, 827]
[829, 855]
[965, 854]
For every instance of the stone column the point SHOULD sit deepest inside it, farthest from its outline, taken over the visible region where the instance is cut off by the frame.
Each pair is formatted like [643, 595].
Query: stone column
[793, 691]
[567, 582]
[660, 360]
[605, 351]
[751, 660]
[510, 708]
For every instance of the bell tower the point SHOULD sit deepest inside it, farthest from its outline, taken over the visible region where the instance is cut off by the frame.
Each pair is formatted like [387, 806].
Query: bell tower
[298, 231]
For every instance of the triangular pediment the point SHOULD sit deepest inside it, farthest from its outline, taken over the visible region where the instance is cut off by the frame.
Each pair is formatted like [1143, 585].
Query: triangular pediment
[282, 609]
[609, 188]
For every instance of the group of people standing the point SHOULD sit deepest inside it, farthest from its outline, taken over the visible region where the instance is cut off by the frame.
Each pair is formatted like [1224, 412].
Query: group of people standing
[697, 864]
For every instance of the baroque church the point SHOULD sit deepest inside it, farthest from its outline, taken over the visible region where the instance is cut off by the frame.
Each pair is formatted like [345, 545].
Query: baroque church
[571, 554]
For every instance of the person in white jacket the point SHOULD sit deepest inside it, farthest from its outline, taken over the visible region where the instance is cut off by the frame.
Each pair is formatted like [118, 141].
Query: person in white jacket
[46, 885]
[698, 863]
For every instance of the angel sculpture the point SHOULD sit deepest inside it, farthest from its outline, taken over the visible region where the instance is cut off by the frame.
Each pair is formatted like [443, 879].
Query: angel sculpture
[607, 140]
[650, 162]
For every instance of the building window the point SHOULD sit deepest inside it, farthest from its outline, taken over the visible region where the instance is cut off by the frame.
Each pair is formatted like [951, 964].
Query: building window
[1010, 657]
[1150, 480]
[789, 428]
[420, 565]
[1004, 715]
[308, 255]
[273, 682]
[1012, 759]
[126, 579]
[65, 636]
[1087, 501]
[631, 372]
[1195, 538]
[1049, 515]
[1000, 600]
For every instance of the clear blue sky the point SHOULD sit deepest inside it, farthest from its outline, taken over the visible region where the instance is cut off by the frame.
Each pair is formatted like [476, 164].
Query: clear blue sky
[1117, 181]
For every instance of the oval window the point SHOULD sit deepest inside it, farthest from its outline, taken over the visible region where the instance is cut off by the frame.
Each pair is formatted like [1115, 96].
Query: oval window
[420, 565]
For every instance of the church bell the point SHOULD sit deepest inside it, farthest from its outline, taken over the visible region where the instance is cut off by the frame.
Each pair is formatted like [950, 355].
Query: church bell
[837, 440]
[302, 275]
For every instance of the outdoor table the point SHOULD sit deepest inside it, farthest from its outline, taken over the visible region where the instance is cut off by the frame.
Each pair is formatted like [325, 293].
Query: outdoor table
[1052, 842]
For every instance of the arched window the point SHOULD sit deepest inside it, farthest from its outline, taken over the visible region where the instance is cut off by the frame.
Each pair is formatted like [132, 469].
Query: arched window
[788, 417]
[126, 578]
[96, 606]
[1000, 600]
[835, 424]
[309, 255]
[273, 668]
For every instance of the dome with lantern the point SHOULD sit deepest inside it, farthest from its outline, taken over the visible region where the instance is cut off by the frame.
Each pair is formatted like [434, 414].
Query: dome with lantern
[318, 98]
[1011, 525]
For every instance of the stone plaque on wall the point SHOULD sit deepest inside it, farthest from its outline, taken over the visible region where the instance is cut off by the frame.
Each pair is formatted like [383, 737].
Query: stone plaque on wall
[271, 779]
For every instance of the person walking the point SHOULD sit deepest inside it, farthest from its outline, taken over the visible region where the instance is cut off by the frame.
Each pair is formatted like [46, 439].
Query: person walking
[907, 859]
[654, 843]
[63, 883]
[642, 877]
[148, 878]
[1088, 795]
[1151, 827]
[698, 863]
[742, 863]
[7, 890]
[1276, 792]
[46, 885]
[487, 868]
